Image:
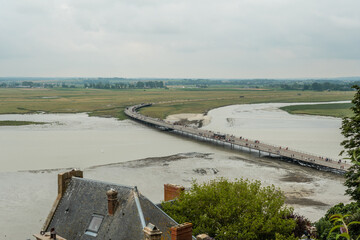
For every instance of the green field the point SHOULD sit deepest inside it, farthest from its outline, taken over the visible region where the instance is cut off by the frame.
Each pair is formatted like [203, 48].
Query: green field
[111, 103]
[19, 123]
[334, 110]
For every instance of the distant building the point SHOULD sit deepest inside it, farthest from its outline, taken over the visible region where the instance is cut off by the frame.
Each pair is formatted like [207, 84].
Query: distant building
[87, 209]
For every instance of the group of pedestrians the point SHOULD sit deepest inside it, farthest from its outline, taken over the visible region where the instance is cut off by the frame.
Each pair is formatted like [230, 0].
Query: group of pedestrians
[231, 138]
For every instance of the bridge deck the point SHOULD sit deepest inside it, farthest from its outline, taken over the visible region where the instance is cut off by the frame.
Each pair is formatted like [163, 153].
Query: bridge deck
[238, 141]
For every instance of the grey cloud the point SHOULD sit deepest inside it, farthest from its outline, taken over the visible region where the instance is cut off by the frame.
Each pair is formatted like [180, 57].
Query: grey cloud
[247, 38]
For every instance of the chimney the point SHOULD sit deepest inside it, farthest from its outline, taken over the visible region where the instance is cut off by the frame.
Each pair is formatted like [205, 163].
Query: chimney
[151, 232]
[64, 179]
[182, 232]
[112, 201]
[172, 191]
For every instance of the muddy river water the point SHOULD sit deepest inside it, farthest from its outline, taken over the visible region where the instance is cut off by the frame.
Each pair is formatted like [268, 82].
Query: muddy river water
[129, 153]
[266, 122]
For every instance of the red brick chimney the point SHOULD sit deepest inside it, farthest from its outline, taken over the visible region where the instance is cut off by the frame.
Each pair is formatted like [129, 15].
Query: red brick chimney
[172, 191]
[182, 232]
[112, 201]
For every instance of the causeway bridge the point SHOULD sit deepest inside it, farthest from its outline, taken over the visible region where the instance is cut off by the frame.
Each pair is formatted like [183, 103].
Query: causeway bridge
[240, 143]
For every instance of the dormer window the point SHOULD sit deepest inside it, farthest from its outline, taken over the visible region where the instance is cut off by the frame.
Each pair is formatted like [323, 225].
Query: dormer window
[94, 225]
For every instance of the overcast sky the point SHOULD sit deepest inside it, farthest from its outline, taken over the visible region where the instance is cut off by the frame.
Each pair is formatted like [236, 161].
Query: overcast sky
[180, 39]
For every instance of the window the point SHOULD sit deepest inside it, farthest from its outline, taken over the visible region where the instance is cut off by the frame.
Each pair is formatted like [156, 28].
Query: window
[94, 225]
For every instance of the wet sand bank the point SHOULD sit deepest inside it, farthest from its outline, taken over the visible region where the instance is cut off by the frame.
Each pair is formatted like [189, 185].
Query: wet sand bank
[190, 119]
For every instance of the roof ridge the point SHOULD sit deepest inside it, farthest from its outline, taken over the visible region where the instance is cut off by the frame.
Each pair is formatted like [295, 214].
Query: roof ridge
[138, 205]
[103, 182]
[162, 211]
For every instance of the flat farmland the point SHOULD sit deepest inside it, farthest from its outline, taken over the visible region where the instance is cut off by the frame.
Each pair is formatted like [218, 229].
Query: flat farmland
[111, 103]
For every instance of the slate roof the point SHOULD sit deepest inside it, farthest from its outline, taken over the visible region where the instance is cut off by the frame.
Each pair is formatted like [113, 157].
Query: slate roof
[84, 197]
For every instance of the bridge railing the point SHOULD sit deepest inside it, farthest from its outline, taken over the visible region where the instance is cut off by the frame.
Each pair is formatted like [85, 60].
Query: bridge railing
[241, 141]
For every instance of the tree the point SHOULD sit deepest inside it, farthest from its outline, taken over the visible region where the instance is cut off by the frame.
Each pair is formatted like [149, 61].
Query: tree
[233, 210]
[350, 129]
[352, 176]
[324, 224]
[140, 84]
[351, 125]
[27, 84]
[339, 222]
[316, 86]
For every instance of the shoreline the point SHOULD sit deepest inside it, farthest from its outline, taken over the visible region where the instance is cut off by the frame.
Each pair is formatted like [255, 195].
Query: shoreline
[203, 119]
[189, 119]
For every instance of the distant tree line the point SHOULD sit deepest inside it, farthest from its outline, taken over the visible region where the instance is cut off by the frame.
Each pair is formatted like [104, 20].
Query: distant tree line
[124, 83]
[303, 85]
[318, 86]
[230, 82]
[96, 84]
[29, 84]
[121, 85]
[201, 85]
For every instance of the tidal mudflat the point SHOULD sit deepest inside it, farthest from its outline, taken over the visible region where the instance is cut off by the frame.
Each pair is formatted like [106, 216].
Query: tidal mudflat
[27, 196]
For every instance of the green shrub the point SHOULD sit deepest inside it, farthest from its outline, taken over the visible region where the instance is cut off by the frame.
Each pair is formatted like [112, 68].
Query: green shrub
[233, 210]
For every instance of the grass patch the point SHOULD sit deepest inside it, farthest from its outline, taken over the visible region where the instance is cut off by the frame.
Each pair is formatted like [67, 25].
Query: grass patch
[19, 123]
[339, 110]
[204, 105]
